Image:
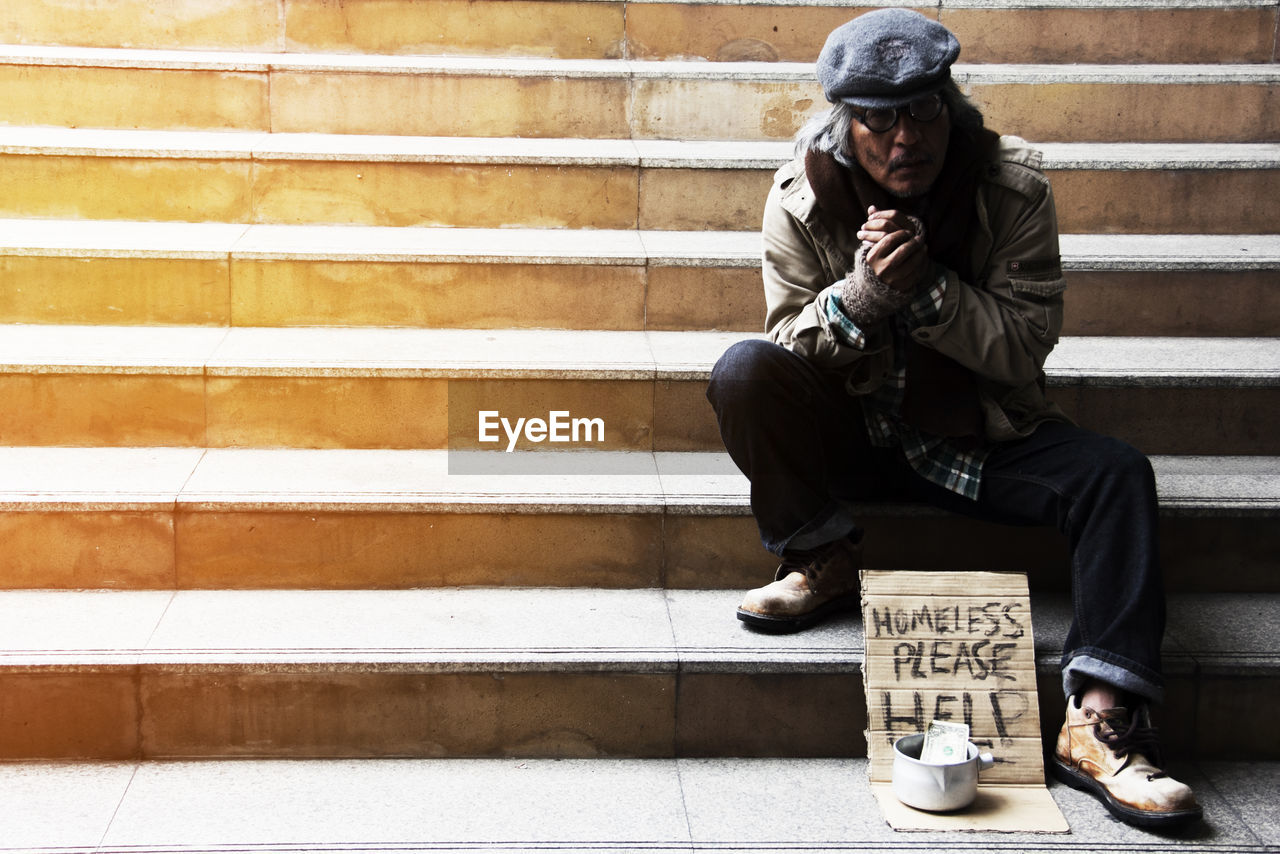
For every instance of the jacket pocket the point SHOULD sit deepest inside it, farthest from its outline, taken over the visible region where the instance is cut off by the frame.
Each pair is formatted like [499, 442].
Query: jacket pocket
[1041, 288]
[1036, 277]
[1040, 303]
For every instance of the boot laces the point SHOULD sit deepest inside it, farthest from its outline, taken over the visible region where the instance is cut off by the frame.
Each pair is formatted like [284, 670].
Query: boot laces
[1124, 735]
[795, 562]
[815, 563]
[808, 563]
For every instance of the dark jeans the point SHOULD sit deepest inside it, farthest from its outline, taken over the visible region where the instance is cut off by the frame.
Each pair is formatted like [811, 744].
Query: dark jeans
[801, 441]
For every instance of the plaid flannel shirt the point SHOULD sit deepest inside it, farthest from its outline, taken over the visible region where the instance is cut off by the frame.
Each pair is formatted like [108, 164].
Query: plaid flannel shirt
[936, 459]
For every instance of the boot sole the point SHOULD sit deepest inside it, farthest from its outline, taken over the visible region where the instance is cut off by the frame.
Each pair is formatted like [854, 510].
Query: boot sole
[788, 625]
[1139, 818]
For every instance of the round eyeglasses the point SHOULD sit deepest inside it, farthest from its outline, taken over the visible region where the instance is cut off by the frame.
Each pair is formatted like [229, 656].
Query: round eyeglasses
[882, 119]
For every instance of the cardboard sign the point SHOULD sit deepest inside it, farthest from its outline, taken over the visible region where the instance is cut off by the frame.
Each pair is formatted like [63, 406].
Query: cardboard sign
[957, 646]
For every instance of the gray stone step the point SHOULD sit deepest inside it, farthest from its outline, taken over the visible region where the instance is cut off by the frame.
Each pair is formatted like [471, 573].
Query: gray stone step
[523, 672]
[618, 99]
[317, 387]
[166, 518]
[360, 179]
[219, 274]
[614, 806]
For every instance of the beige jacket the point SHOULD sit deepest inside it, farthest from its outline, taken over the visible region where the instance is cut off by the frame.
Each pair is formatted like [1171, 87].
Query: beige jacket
[1001, 327]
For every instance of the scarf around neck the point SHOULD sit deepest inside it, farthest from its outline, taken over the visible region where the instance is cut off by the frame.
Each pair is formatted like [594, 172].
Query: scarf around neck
[941, 396]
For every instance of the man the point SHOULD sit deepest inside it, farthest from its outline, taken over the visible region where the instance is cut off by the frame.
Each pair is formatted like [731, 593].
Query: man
[913, 291]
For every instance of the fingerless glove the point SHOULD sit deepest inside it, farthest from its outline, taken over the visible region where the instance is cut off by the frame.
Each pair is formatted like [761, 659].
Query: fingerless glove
[864, 298]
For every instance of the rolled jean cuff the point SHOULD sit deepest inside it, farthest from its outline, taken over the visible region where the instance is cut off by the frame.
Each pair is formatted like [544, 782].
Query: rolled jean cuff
[1084, 666]
[828, 526]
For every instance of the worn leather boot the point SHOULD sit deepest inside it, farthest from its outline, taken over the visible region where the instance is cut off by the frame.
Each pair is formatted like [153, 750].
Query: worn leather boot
[1114, 755]
[807, 588]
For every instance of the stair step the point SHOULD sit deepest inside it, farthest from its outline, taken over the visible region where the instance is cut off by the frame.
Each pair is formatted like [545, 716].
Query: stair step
[299, 178]
[610, 99]
[602, 805]
[316, 387]
[990, 30]
[645, 673]
[219, 274]
[160, 518]
[1109, 31]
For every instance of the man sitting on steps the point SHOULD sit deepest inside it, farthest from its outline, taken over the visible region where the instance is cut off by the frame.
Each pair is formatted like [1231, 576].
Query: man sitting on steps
[913, 291]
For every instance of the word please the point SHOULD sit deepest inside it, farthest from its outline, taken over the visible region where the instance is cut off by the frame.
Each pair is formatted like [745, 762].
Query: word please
[558, 426]
[982, 660]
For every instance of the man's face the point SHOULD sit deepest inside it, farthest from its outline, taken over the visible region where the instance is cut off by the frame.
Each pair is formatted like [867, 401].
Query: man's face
[907, 158]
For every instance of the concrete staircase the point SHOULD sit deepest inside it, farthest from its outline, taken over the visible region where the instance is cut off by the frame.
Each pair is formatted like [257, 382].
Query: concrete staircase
[257, 256]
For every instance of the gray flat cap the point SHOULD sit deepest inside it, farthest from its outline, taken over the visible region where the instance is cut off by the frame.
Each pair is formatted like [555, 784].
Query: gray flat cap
[886, 58]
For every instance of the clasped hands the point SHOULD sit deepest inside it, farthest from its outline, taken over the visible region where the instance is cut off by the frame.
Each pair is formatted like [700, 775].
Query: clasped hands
[898, 255]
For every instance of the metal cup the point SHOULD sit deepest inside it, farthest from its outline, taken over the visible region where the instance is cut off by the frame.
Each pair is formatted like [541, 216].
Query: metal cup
[931, 787]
